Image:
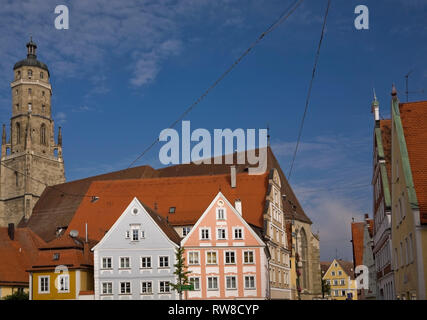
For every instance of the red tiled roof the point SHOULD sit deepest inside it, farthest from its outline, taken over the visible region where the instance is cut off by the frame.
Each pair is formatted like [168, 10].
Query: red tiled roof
[189, 195]
[348, 267]
[414, 122]
[17, 255]
[324, 266]
[357, 231]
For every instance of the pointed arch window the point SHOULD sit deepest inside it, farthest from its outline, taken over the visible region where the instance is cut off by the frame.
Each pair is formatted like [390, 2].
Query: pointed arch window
[18, 133]
[43, 134]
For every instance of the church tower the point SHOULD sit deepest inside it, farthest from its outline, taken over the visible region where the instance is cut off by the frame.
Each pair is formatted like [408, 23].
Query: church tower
[30, 158]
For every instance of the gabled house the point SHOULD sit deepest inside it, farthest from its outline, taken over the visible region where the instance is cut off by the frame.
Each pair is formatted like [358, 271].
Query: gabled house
[226, 257]
[135, 258]
[340, 277]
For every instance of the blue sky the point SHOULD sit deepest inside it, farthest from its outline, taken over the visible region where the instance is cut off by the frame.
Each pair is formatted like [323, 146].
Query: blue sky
[126, 69]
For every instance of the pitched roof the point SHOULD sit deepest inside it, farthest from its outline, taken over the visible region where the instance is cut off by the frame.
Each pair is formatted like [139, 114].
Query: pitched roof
[357, 231]
[17, 255]
[58, 204]
[324, 266]
[413, 116]
[348, 267]
[189, 195]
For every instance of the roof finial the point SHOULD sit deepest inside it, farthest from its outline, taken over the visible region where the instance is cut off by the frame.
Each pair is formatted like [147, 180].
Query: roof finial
[375, 96]
[394, 92]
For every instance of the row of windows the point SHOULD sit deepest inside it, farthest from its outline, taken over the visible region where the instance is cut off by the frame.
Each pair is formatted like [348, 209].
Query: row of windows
[382, 257]
[29, 73]
[145, 262]
[212, 257]
[125, 287]
[221, 233]
[336, 282]
[43, 137]
[281, 277]
[230, 282]
[406, 253]
[63, 284]
[400, 211]
[339, 273]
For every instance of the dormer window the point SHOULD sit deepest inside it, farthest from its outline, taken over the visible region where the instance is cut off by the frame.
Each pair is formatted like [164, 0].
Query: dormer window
[56, 256]
[172, 209]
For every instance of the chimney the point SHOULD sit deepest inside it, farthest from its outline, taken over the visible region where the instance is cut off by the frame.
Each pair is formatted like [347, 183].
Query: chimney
[233, 176]
[11, 231]
[238, 206]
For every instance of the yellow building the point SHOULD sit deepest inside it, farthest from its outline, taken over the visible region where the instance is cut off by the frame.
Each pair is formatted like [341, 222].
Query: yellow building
[63, 270]
[340, 277]
[409, 198]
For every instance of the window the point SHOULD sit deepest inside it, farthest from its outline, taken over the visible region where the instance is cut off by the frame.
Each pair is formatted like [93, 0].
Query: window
[135, 234]
[107, 288]
[125, 288]
[343, 293]
[30, 91]
[339, 272]
[248, 257]
[41, 75]
[333, 273]
[56, 256]
[238, 233]
[124, 262]
[127, 236]
[107, 263]
[42, 93]
[195, 281]
[212, 283]
[172, 209]
[205, 234]
[30, 73]
[164, 287]
[30, 107]
[163, 262]
[18, 75]
[335, 282]
[64, 283]
[249, 282]
[43, 108]
[221, 234]
[146, 262]
[211, 257]
[230, 257]
[342, 282]
[146, 287]
[44, 284]
[220, 214]
[231, 282]
[185, 231]
[43, 134]
[193, 257]
[18, 133]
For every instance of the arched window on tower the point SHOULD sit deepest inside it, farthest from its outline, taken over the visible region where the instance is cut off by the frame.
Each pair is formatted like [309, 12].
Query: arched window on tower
[30, 73]
[43, 134]
[41, 75]
[18, 133]
[303, 253]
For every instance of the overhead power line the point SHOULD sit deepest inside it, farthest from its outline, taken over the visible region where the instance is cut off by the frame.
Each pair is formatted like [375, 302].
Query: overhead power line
[316, 60]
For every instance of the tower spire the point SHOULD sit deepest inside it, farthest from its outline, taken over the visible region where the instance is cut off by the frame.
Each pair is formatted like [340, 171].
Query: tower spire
[31, 49]
[376, 107]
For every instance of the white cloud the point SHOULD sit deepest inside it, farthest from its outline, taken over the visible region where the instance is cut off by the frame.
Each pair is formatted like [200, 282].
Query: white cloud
[61, 117]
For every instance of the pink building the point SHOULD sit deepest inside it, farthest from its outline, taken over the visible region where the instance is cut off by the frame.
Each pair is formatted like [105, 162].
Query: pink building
[225, 255]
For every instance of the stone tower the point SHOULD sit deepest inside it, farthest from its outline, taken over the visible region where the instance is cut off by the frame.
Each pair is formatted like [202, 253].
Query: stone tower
[30, 158]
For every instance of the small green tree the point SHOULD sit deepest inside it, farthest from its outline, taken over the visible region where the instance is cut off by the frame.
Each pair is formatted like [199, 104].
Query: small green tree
[326, 288]
[180, 271]
[17, 295]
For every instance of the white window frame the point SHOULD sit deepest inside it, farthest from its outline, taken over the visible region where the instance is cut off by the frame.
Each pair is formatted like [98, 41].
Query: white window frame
[142, 286]
[102, 263]
[226, 283]
[254, 282]
[217, 283]
[209, 233]
[168, 261]
[102, 288]
[185, 231]
[224, 215]
[216, 257]
[146, 257]
[66, 278]
[192, 263]
[168, 286]
[234, 256]
[253, 256]
[40, 284]
[196, 288]
[130, 288]
[120, 262]
[225, 233]
[234, 229]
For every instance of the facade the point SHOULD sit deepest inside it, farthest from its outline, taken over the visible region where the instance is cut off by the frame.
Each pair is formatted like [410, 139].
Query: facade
[226, 257]
[135, 259]
[63, 269]
[382, 205]
[30, 150]
[409, 198]
[340, 277]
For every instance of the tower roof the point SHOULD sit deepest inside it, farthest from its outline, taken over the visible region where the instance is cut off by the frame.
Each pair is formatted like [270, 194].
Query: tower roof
[31, 60]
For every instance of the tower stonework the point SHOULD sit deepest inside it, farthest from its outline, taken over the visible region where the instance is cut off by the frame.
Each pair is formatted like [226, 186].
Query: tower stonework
[30, 158]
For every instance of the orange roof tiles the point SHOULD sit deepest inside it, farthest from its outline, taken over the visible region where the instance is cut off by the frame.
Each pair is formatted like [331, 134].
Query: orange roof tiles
[357, 231]
[17, 255]
[414, 122]
[189, 195]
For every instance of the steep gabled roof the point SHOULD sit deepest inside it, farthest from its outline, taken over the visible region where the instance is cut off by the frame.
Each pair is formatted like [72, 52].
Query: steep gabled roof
[413, 116]
[190, 196]
[17, 255]
[348, 267]
[357, 233]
